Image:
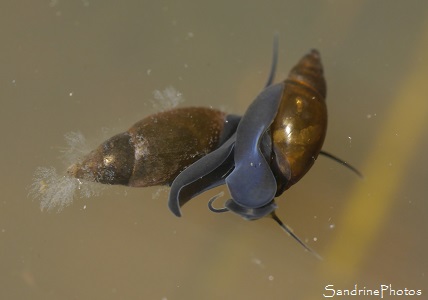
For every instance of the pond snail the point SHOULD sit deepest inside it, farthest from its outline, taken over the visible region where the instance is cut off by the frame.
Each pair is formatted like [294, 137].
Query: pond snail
[258, 156]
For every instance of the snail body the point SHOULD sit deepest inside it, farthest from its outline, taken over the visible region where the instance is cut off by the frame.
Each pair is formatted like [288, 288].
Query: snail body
[275, 144]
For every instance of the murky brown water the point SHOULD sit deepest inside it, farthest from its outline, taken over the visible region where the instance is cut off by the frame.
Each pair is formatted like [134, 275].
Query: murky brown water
[88, 65]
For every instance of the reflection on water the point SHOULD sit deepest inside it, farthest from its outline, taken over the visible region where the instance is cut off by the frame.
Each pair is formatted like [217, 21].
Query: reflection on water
[82, 66]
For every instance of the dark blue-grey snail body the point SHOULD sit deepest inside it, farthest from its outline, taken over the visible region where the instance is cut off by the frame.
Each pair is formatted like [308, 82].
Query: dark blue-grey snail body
[275, 144]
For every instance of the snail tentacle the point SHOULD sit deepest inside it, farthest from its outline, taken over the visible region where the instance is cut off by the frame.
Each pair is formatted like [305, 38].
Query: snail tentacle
[341, 161]
[274, 60]
[290, 232]
[212, 208]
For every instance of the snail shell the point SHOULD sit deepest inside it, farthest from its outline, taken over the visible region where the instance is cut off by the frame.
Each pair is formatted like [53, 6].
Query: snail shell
[156, 149]
[299, 128]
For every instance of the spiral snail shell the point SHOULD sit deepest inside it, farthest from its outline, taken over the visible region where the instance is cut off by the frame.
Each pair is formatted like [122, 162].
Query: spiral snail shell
[157, 148]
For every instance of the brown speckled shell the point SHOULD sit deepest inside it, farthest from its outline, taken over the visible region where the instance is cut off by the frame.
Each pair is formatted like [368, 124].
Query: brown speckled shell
[154, 150]
[172, 140]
